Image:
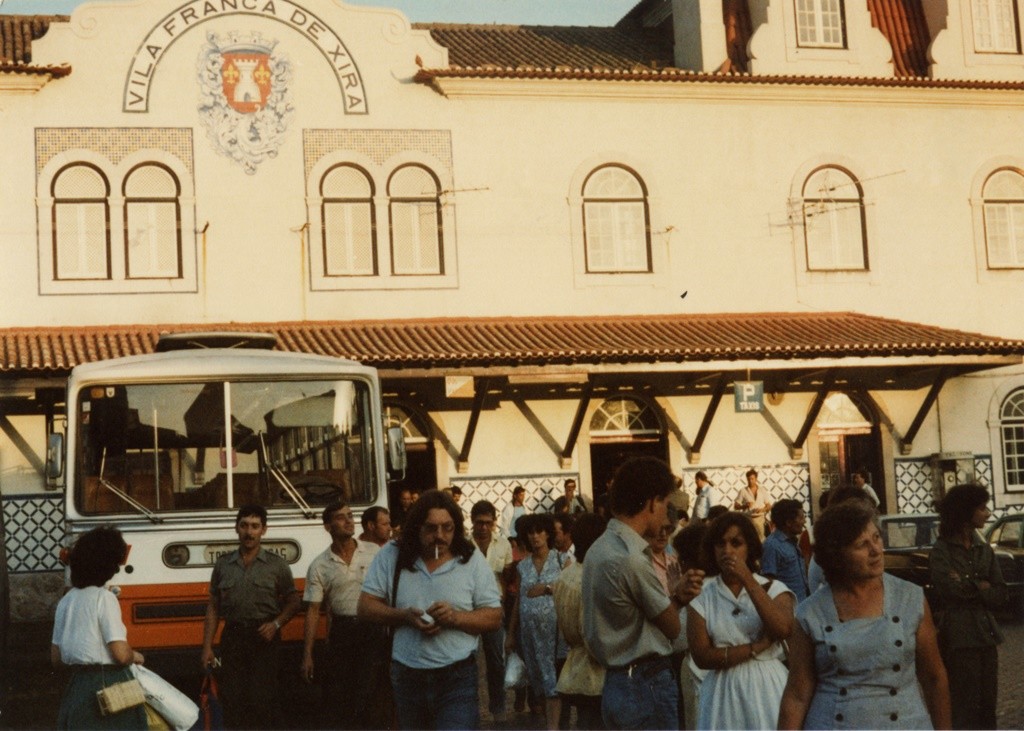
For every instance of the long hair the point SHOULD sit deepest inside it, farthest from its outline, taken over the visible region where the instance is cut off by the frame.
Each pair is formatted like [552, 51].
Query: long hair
[96, 556]
[957, 508]
[409, 547]
[717, 528]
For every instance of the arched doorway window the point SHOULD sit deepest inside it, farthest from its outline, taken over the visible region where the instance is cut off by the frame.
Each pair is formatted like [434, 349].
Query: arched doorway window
[1011, 427]
[847, 441]
[623, 427]
[421, 470]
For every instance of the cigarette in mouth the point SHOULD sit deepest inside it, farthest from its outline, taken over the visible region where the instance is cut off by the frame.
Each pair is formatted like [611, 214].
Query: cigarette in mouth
[437, 552]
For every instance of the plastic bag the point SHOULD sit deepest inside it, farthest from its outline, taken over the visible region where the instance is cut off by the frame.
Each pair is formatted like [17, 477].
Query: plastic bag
[515, 672]
[177, 709]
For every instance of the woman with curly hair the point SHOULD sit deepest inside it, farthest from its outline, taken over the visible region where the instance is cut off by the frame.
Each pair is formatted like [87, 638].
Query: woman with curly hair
[735, 629]
[89, 635]
[968, 584]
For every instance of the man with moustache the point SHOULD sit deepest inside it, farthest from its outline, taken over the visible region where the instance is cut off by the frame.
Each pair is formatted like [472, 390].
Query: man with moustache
[439, 594]
[356, 649]
[254, 592]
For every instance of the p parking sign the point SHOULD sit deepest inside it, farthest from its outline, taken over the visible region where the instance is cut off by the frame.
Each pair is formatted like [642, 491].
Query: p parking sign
[749, 396]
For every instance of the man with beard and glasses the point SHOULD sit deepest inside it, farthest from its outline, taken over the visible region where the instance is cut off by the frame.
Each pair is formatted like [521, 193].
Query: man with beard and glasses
[254, 592]
[439, 594]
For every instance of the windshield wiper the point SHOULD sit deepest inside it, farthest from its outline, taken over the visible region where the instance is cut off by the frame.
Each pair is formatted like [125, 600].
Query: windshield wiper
[284, 482]
[153, 517]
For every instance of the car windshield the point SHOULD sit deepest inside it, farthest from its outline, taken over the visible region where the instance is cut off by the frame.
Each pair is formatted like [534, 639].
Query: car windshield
[157, 448]
[910, 532]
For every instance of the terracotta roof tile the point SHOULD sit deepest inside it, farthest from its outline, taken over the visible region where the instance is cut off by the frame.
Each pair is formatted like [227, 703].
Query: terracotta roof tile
[903, 23]
[511, 342]
[16, 35]
[530, 47]
[499, 51]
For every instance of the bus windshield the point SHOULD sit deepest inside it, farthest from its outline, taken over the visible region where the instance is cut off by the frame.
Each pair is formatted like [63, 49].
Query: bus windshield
[151, 449]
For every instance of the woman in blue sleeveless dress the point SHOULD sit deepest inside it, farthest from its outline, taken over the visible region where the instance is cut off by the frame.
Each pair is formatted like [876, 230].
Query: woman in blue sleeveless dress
[864, 652]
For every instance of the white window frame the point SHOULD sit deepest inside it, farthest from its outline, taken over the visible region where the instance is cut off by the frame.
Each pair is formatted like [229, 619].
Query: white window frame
[154, 240]
[817, 12]
[616, 206]
[118, 281]
[816, 207]
[409, 211]
[347, 246]
[78, 209]
[1009, 213]
[994, 26]
[379, 173]
[1011, 440]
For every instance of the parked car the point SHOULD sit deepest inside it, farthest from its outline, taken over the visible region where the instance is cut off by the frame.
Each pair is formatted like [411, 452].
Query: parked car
[1006, 536]
[907, 539]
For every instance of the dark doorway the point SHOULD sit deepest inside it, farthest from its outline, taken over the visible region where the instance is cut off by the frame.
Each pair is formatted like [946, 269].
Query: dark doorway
[605, 458]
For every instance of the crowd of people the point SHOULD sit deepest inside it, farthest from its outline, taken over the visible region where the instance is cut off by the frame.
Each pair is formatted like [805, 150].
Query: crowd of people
[627, 613]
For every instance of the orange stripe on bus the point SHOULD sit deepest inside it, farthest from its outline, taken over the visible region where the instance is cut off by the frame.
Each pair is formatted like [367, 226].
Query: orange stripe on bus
[179, 632]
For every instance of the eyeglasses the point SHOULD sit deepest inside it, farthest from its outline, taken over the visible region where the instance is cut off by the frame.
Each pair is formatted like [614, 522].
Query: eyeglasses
[432, 528]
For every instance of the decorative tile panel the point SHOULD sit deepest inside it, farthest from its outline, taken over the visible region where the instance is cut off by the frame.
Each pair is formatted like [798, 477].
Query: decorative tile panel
[377, 144]
[34, 527]
[113, 143]
[541, 491]
[787, 480]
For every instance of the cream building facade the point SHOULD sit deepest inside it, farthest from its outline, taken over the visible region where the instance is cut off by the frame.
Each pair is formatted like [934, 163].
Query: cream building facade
[561, 246]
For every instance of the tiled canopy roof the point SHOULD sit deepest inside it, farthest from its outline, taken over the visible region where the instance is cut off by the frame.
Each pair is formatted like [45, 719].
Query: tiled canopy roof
[16, 35]
[513, 342]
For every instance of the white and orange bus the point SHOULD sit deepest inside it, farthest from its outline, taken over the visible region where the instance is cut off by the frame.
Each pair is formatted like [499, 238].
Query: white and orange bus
[167, 447]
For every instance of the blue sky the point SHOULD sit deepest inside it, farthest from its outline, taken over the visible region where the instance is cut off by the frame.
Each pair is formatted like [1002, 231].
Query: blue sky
[536, 12]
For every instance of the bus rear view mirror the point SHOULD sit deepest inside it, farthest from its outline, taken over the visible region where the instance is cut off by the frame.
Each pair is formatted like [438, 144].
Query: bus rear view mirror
[54, 456]
[397, 459]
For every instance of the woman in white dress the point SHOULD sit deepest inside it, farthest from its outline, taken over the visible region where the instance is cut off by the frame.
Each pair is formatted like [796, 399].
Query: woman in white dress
[735, 629]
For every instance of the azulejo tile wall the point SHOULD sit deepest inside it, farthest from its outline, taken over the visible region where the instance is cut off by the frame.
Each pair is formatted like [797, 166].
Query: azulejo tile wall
[34, 527]
[786, 480]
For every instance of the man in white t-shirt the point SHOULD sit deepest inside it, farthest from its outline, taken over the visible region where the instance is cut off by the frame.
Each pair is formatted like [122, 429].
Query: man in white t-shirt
[498, 553]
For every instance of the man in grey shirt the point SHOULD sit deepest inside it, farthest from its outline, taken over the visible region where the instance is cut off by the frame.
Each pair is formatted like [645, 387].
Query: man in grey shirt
[629, 621]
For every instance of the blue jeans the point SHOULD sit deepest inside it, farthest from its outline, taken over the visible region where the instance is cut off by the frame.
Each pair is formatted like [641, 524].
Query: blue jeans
[494, 656]
[640, 700]
[441, 698]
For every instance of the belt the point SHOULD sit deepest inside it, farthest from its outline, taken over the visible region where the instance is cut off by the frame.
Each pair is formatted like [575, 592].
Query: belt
[344, 618]
[96, 668]
[470, 660]
[645, 666]
[247, 624]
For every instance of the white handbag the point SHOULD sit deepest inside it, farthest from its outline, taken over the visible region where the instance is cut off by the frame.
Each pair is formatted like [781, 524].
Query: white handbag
[177, 709]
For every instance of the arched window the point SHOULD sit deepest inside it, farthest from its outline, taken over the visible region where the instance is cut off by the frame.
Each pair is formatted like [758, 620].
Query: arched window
[615, 221]
[833, 208]
[995, 26]
[624, 418]
[415, 208]
[348, 222]
[819, 24]
[152, 223]
[1011, 425]
[81, 223]
[1003, 202]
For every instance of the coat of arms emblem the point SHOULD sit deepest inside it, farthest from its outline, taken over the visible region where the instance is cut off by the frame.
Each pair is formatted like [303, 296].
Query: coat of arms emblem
[244, 96]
